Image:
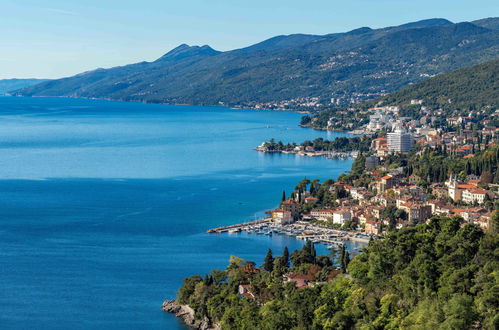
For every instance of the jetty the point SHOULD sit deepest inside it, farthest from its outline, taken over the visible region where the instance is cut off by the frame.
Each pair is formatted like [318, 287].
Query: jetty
[239, 226]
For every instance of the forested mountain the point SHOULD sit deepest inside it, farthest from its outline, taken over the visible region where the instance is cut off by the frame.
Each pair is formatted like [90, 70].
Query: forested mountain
[7, 85]
[357, 65]
[460, 91]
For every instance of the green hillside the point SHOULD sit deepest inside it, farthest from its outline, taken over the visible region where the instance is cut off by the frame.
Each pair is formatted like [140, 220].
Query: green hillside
[464, 90]
[471, 88]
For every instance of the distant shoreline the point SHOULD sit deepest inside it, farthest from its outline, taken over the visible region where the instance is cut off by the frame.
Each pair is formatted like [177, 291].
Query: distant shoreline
[231, 107]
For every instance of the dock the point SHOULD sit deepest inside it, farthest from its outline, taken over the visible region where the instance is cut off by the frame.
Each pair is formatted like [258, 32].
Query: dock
[238, 226]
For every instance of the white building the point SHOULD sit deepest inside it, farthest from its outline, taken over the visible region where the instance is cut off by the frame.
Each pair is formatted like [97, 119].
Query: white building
[399, 141]
[474, 195]
[322, 214]
[281, 217]
[340, 216]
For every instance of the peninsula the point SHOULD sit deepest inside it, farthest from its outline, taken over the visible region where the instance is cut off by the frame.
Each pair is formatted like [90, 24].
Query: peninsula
[341, 147]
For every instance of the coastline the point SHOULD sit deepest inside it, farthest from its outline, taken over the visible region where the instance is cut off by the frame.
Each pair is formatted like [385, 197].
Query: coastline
[186, 314]
[231, 107]
[316, 233]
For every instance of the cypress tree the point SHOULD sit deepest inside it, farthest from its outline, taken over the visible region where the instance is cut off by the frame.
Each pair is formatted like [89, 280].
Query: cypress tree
[346, 260]
[342, 259]
[268, 263]
[313, 253]
[283, 195]
[285, 256]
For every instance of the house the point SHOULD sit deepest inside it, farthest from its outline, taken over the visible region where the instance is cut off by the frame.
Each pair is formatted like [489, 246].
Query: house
[403, 200]
[484, 221]
[250, 269]
[292, 206]
[386, 182]
[364, 217]
[416, 213]
[372, 227]
[382, 152]
[300, 280]
[340, 216]
[455, 189]
[379, 143]
[311, 200]
[443, 210]
[470, 214]
[435, 205]
[358, 192]
[439, 192]
[245, 291]
[322, 214]
[476, 195]
[281, 217]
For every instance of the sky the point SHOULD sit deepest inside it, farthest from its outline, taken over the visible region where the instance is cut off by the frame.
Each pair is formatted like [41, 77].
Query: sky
[58, 38]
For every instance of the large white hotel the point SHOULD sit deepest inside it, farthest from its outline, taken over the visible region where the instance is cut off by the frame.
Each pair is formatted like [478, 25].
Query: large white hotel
[399, 141]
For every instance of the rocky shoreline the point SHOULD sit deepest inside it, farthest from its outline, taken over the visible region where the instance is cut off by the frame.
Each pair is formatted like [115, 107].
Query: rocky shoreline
[186, 314]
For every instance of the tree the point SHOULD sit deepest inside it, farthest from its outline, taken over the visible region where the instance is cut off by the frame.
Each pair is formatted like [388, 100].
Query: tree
[486, 177]
[285, 256]
[283, 196]
[268, 263]
[305, 120]
[344, 259]
[187, 289]
[434, 275]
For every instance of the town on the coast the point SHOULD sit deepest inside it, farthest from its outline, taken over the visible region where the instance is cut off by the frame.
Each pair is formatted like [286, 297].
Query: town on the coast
[422, 194]
[405, 172]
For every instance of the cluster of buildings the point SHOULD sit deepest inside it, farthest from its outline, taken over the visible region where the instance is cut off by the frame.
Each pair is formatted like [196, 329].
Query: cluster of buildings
[390, 187]
[311, 103]
[365, 206]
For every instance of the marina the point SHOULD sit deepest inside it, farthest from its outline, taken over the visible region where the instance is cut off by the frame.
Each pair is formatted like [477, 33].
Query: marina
[332, 238]
[311, 153]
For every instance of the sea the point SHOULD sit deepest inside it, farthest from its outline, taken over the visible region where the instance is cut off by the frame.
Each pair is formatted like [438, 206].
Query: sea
[104, 205]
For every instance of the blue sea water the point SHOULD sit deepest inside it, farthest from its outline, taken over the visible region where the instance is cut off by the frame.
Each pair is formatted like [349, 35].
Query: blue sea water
[103, 205]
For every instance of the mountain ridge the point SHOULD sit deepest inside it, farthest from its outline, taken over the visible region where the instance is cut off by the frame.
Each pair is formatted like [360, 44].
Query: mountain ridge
[355, 65]
[8, 85]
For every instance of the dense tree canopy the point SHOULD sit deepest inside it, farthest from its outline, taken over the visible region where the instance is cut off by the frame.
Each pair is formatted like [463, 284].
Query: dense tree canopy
[440, 275]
